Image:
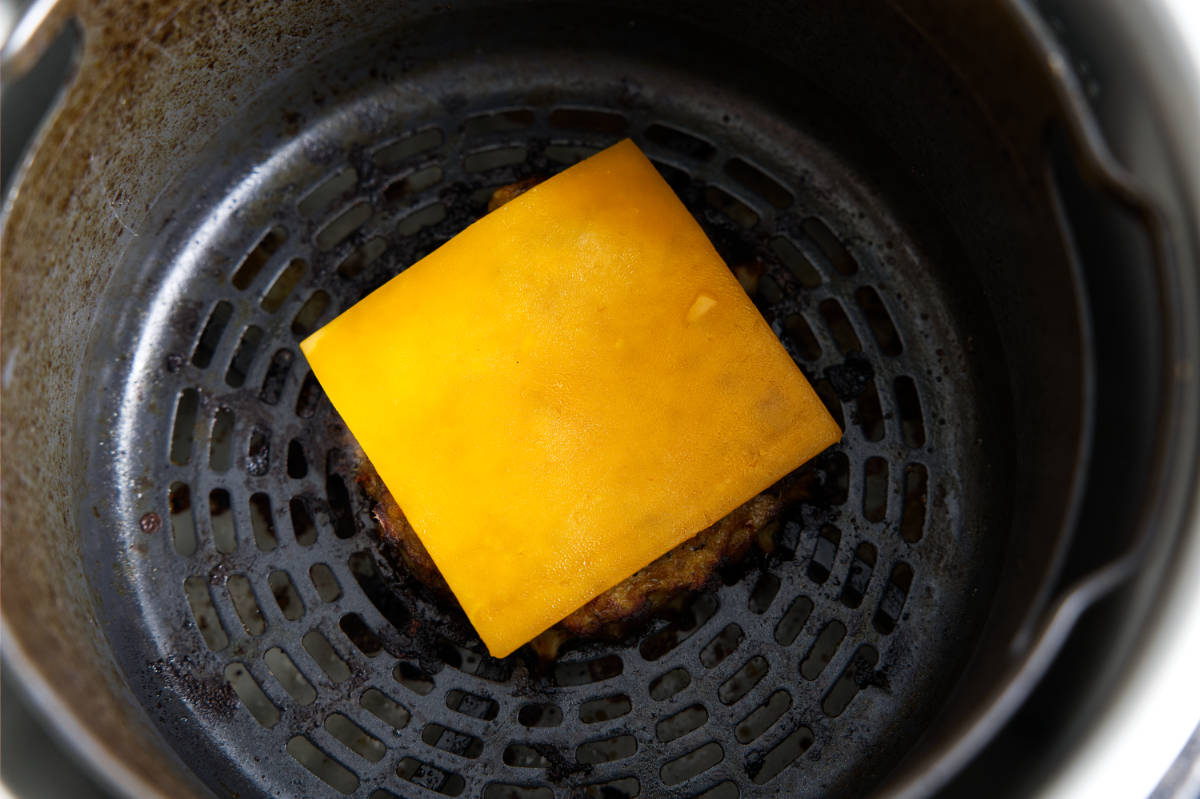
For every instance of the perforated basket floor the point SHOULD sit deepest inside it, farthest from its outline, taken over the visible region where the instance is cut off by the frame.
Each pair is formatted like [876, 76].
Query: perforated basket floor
[250, 605]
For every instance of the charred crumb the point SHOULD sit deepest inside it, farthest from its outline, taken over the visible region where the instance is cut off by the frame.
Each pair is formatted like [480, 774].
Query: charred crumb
[560, 768]
[851, 377]
[177, 676]
[875, 679]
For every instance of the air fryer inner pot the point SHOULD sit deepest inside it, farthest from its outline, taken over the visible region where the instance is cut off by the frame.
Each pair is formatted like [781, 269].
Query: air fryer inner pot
[906, 220]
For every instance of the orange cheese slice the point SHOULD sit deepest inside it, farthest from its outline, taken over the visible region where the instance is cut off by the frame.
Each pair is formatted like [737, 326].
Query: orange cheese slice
[566, 390]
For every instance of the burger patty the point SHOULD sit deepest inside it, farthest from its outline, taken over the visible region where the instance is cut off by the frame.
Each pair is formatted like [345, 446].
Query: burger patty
[687, 568]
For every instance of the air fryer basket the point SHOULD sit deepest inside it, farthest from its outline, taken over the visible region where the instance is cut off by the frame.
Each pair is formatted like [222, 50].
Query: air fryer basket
[195, 552]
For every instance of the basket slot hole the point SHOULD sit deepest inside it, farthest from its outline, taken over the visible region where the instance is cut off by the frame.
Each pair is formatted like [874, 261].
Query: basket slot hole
[251, 695]
[241, 594]
[837, 478]
[498, 122]
[912, 423]
[540, 714]
[859, 576]
[588, 119]
[384, 708]
[667, 685]
[220, 514]
[341, 226]
[749, 274]
[323, 195]
[768, 293]
[430, 777]
[724, 644]
[210, 337]
[258, 452]
[680, 142]
[780, 757]
[183, 524]
[570, 154]
[283, 285]
[793, 620]
[183, 429]
[831, 401]
[396, 153]
[762, 717]
[494, 158]
[796, 262]
[421, 219]
[824, 554]
[524, 756]
[870, 414]
[355, 738]
[840, 327]
[363, 638]
[692, 619]
[324, 655]
[322, 766]
[220, 442]
[605, 709]
[823, 650]
[692, 764]
[623, 788]
[680, 724]
[339, 497]
[414, 182]
[758, 182]
[473, 705]
[786, 537]
[857, 674]
[801, 337]
[606, 750]
[724, 202]
[764, 593]
[205, 613]
[500, 790]
[891, 604]
[879, 320]
[380, 793]
[361, 257]
[588, 671]
[875, 489]
[412, 678]
[243, 357]
[297, 463]
[306, 319]
[276, 376]
[509, 192]
[309, 396]
[324, 582]
[912, 519]
[823, 237]
[262, 522]
[743, 680]
[286, 595]
[452, 741]
[290, 678]
[678, 179]
[244, 275]
[304, 529]
[722, 790]
[376, 589]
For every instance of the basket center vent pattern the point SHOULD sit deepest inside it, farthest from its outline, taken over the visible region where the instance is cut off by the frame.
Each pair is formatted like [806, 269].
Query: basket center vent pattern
[374, 692]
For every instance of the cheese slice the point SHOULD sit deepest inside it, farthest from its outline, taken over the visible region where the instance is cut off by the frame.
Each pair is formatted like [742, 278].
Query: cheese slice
[566, 390]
